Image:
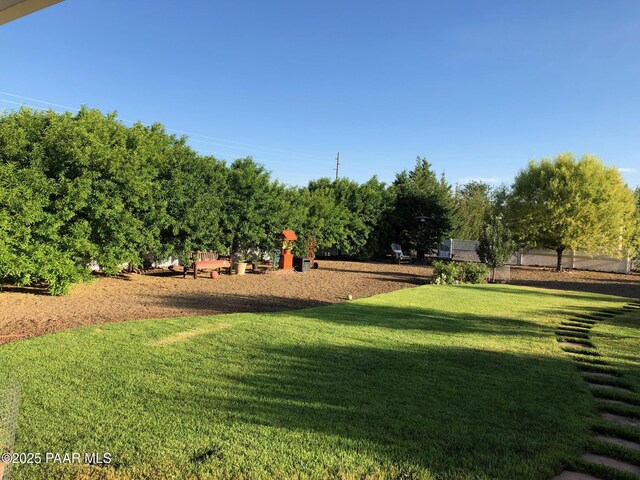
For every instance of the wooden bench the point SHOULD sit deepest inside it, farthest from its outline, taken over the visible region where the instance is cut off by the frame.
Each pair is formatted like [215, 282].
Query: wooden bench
[201, 260]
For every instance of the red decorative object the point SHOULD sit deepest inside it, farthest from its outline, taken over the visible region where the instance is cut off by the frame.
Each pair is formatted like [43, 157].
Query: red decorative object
[286, 257]
[310, 246]
[286, 260]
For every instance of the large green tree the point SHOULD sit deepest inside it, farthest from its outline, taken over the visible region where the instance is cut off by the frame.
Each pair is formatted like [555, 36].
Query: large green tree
[83, 187]
[423, 208]
[256, 208]
[472, 205]
[568, 203]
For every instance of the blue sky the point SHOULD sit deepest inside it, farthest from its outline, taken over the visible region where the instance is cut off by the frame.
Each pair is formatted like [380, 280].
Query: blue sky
[478, 88]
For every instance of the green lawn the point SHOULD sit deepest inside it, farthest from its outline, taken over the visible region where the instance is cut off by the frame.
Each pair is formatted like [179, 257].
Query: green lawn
[434, 382]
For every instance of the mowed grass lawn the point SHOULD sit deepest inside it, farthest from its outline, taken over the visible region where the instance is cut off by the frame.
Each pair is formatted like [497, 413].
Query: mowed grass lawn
[433, 382]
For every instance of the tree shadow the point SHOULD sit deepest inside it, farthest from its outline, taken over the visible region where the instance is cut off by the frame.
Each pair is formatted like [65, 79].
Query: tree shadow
[424, 319]
[31, 289]
[623, 288]
[570, 293]
[216, 302]
[410, 280]
[414, 409]
[389, 273]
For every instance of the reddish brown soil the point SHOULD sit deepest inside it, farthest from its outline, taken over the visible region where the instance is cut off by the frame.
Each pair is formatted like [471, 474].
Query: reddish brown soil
[579, 280]
[26, 312]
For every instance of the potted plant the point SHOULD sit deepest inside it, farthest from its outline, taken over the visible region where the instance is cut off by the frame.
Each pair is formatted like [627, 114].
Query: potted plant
[240, 263]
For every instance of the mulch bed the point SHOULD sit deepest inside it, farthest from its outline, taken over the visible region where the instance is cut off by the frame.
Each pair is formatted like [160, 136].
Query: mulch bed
[579, 280]
[27, 312]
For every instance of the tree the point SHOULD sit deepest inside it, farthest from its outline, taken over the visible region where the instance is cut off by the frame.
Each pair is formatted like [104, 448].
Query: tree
[419, 193]
[472, 204]
[253, 207]
[327, 217]
[635, 242]
[564, 203]
[81, 188]
[495, 245]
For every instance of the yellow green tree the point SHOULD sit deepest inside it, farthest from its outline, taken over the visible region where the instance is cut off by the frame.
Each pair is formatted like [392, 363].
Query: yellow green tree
[564, 203]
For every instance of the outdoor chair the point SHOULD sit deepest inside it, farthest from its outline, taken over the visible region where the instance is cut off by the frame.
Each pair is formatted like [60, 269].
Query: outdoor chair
[399, 256]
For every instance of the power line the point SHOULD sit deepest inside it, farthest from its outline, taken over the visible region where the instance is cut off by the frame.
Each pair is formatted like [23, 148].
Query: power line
[202, 151]
[216, 141]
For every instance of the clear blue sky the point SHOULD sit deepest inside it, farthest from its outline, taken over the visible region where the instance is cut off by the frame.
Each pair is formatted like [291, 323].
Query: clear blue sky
[478, 88]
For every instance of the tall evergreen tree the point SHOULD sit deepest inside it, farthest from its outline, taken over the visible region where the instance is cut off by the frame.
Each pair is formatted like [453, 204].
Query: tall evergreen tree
[423, 208]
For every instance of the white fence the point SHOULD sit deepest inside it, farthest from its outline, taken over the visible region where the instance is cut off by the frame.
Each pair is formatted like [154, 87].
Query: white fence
[466, 250]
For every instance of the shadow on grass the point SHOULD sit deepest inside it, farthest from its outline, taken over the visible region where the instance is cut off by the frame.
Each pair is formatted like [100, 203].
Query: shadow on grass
[364, 314]
[456, 412]
[623, 288]
[424, 319]
[293, 394]
[567, 290]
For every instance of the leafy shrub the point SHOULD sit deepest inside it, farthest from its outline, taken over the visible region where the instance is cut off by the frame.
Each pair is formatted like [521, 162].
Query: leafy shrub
[58, 271]
[474, 272]
[446, 273]
[449, 273]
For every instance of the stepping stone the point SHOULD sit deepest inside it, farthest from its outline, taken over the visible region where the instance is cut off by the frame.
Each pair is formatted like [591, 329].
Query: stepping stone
[615, 402]
[619, 441]
[576, 327]
[574, 336]
[571, 331]
[622, 420]
[588, 359]
[579, 349]
[599, 374]
[586, 368]
[567, 475]
[583, 343]
[608, 387]
[564, 343]
[584, 320]
[610, 462]
[577, 324]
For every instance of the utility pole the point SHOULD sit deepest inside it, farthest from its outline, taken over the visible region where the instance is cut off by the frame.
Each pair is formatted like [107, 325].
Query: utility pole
[337, 165]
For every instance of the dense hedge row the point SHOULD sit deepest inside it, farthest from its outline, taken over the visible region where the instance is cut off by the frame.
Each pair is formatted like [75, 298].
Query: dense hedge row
[84, 187]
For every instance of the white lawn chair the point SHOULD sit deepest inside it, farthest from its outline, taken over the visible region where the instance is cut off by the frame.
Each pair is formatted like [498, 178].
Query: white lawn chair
[400, 257]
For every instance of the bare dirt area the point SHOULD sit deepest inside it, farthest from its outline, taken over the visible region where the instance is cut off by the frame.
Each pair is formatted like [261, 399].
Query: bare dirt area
[579, 280]
[27, 312]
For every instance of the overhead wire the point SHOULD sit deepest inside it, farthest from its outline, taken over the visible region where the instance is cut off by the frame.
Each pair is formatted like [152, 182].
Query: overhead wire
[229, 144]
